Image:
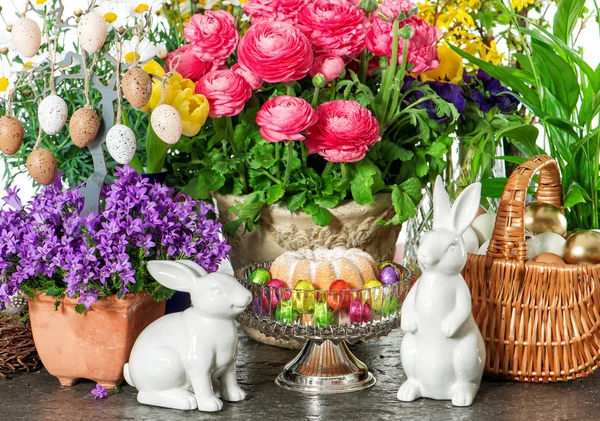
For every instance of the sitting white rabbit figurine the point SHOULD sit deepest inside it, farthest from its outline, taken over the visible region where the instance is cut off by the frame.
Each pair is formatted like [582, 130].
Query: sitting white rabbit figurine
[182, 360]
[442, 352]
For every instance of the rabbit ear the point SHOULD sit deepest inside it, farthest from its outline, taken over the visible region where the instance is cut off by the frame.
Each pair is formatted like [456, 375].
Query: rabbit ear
[465, 209]
[441, 205]
[195, 267]
[171, 274]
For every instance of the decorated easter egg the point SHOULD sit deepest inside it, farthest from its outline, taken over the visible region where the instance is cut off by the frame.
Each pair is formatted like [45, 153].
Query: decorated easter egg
[166, 123]
[137, 87]
[121, 143]
[303, 296]
[92, 30]
[52, 114]
[84, 126]
[483, 226]
[583, 248]
[42, 166]
[27, 37]
[338, 300]
[550, 258]
[541, 217]
[260, 276]
[471, 241]
[11, 135]
[547, 242]
[373, 294]
[389, 275]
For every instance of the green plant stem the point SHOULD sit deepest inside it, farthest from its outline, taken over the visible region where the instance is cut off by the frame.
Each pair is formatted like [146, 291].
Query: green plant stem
[344, 171]
[288, 167]
[290, 89]
[265, 172]
[400, 78]
[315, 98]
[388, 76]
[364, 66]
[328, 168]
[304, 151]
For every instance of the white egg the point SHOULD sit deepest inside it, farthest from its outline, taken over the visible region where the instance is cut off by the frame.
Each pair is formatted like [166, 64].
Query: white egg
[471, 241]
[27, 37]
[166, 123]
[53, 113]
[483, 226]
[547, 242]
[92, 31]
[121, 143]
[484, 248]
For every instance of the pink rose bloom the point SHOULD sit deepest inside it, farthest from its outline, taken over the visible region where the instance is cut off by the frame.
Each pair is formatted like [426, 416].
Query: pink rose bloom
[334, 26]
[279, 10]
[214, 34]
[285, 118]
[391, 9]
[226, 91]
[254, 81]
[329, 65]
[187, 64]
[344, 131]
[422, 47]
[275, 52]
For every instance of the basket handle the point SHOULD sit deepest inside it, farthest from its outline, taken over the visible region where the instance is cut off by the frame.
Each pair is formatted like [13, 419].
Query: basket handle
[508, 237]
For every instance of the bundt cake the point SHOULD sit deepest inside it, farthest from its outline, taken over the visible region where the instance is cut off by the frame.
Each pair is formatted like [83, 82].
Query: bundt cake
[322, 266]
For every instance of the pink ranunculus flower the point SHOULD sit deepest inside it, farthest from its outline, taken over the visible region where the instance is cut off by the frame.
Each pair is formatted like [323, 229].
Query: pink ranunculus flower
[214, 35]
[254, 81]
[343, 132]
[391, 9]
[276, 52]
[226, 91]
[329, 65]
[279, 10]
[422, 47]
[334, 26]
[285, 118]
[187, 64]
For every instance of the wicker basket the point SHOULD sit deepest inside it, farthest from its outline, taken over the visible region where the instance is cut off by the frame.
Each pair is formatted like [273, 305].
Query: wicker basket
[17, 350]
[540, 321]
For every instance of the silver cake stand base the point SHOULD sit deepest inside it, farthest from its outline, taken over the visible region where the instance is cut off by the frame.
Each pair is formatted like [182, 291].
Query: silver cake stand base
[325, 369]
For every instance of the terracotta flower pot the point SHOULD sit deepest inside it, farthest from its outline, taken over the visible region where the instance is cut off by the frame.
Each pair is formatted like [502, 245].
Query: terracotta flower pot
[94, 345]
[279, 230]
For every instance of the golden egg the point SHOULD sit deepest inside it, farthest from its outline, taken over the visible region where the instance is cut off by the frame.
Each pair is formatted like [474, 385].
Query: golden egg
[583, 248]
[549, 258]
[541, 217]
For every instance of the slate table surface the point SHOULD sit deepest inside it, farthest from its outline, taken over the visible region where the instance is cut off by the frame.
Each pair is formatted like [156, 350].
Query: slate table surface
[39, 396]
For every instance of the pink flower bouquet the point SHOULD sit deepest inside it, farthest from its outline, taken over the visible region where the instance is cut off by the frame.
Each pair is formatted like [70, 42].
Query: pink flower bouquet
[312, 103]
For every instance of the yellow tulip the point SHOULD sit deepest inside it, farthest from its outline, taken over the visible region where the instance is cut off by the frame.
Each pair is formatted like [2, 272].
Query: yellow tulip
[450, 68]
[179, 93]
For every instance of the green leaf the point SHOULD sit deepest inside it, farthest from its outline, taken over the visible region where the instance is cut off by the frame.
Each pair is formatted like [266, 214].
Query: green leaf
[320, 215]
[328, 202]
[412, 187]
[403, 205]
[493, 187]
[362, 181]
[241, 137]
[393, 152]
[296, 201]
[575, 195]
[259, 180]
[251, 207]
[512, 159]
[263, 155]
[567, 15]
[231, 227]
[274, 193]
[80, 308]
[156, 150]
[54, 291]
[208, 181]
[421, 164]
[438, 149]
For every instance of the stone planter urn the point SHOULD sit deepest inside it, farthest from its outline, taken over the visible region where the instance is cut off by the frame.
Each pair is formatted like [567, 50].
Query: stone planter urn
[94, 345]
[352, 226]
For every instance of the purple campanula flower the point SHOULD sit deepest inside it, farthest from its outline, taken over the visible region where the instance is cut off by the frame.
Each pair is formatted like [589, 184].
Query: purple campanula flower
[99, 392]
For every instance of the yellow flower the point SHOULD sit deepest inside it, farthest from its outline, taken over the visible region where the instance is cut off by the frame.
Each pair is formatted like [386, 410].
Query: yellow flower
[179, 92]
[450, 68]
[521, 4]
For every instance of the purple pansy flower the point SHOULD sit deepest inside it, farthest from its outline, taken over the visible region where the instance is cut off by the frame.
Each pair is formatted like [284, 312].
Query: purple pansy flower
[488, 93]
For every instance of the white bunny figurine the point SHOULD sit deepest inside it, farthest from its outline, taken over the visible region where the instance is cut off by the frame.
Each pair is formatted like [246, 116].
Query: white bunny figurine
[186, 360]
[442, 352]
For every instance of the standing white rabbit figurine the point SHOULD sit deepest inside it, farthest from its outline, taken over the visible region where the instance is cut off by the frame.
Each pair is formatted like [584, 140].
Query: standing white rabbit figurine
[186, 360]
[443, 353]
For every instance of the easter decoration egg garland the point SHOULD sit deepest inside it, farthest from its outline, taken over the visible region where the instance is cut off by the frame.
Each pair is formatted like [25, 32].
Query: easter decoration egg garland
[326, 322]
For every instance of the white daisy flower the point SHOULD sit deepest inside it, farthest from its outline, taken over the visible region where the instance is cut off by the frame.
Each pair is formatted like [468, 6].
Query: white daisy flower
[162, 51]
[146, 50]
[143, 6]
[116, 13]
[8, 77]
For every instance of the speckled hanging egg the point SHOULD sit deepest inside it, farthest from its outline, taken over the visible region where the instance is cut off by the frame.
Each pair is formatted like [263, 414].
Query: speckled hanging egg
[121, 143]
[84, 126]
[137, 87]
[27, 37]
[92, 30]
[42, 167]
[166, 123]
[52, 114]
[11, 135]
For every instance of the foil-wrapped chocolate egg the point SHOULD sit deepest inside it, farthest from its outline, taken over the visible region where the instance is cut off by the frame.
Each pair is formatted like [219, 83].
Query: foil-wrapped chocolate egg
[541, 217]
[389, 275]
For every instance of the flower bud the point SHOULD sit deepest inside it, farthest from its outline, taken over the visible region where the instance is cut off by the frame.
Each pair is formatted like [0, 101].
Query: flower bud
[78, 12]
[4, 50]
[319, 80]
[9, 28]
[369, 5]
[27, 92]
[383, 63]
[406, 32]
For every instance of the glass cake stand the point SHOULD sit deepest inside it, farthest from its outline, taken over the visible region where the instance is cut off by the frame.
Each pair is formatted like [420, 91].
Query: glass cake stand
[327, 321]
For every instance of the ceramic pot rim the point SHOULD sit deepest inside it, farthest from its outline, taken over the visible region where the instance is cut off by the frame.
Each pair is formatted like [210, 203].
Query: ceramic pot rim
[111, 301]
